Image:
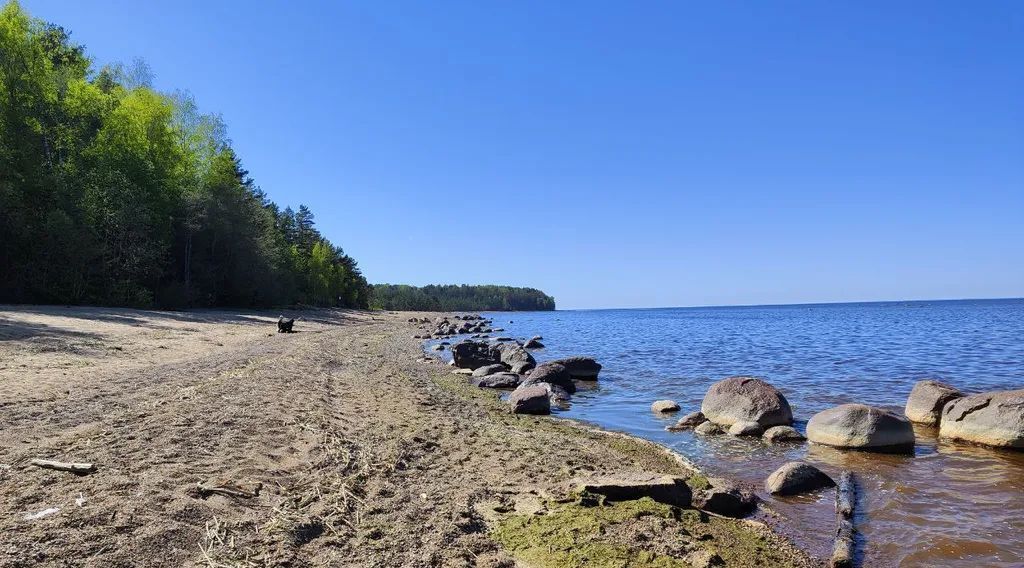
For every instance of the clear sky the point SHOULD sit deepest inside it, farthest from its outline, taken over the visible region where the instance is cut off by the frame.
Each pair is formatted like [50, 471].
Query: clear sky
[619, 154]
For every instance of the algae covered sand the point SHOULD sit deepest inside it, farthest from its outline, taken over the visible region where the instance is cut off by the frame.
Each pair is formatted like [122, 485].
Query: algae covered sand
[365, 456]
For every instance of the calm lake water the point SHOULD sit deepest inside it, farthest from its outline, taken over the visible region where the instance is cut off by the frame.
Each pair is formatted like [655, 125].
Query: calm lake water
[947, 505]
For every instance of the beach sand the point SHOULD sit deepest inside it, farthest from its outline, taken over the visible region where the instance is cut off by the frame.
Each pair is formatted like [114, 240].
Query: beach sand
[363, 453]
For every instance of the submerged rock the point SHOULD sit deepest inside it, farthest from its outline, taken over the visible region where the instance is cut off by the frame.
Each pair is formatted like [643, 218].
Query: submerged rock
[861, 427]
[991, 418]
[796, 477]
[666, 489]
[708, 428]
[530, 400]
[691, 420]
[926, 400]
[745, 429]
[581, 368]
[782, 434]
[746, 399]
[660, 406]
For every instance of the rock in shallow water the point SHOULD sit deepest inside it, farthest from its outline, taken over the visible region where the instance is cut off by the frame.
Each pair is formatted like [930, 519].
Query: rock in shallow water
[926, 400]
[691, 420]
[746, 399]
[745, 429]
[991, 418]
[580, 368]
[797, 477]
[660, 406]
[708, 428]
[782, 434]
[530, 400]
[553, 373]
[861, 427]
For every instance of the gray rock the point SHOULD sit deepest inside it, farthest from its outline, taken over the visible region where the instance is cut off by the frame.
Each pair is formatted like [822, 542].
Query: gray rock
[489, 370]
[553, 373]
[725, 499]
[438, 347]
[533, 344]
[861, 427]
[926, 400]
[782, 434]
[515, 357]
[691, 420]
[991, 418]
[660, 406]
[474, 354]
[558, 395]
[581, 368]
[797, 477]
[709, 428]
[503, 380]
[530, 400]
[745, 429]
[746, 399]
[629, 486]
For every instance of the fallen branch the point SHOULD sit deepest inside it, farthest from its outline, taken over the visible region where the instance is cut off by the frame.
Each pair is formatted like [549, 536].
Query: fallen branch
[843, 547]
[78, 468]
[229, 489]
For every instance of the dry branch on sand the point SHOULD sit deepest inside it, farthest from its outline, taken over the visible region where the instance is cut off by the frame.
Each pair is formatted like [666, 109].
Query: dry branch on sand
[79, 468]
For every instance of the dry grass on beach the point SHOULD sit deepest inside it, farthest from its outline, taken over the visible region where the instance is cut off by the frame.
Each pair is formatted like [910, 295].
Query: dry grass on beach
[332, 446]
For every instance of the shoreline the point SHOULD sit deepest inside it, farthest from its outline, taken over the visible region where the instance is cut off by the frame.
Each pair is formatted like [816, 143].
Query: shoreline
[360, 455]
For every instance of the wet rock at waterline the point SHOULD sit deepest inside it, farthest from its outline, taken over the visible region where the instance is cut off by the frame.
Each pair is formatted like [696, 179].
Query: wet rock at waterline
[726, 499]
[580, 368]
[991, 418]
[553, 373]
[515, 357]
[861, 427]
[664, 406]
[438, 347]
[489, 370]
[531, 399]
[708, 428]
[533, 344]
[777, 434]
[503, 380]
[629, 486]
[474, 354]
[688, 422]
[927, 399]
[746, 399]
[797, 477]
[745, 429]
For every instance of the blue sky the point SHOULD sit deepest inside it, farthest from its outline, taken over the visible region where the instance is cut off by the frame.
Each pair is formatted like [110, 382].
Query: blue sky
[620, 154]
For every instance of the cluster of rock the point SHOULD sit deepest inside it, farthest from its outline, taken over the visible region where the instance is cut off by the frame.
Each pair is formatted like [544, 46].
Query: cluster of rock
[990, 418]
[445, 327]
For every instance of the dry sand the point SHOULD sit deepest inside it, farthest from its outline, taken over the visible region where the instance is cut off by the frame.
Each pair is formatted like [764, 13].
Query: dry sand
[363, 455]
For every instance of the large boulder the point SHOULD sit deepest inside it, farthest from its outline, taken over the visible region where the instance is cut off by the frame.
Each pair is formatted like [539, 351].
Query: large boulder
[553, 373]
[926, 400]
[489, 370]
[503, 380]
[515, 357]
[474, 354]
[726, 499]
[861, 427]
[530, 400]
[796, 477]
[629, 486]
[581, 368]
[990, 418]
[746, 399]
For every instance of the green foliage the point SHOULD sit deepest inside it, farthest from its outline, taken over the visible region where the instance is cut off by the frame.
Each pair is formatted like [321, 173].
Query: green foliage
[114, 193]
[446, 298]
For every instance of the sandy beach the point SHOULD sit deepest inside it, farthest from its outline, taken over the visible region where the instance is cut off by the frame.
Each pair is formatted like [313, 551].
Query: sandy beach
[218, 442]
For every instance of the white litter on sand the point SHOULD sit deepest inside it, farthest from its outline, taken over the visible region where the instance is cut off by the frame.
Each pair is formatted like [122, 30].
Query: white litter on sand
[41, 514]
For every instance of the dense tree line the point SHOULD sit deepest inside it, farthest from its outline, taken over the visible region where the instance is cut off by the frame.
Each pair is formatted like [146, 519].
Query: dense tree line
[114, 193]
[459, 298]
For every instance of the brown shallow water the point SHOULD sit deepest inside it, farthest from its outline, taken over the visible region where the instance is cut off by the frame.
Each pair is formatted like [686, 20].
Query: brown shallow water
[948, 504]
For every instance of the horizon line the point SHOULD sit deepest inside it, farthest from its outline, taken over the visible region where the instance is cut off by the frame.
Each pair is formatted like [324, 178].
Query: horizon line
[780, 305]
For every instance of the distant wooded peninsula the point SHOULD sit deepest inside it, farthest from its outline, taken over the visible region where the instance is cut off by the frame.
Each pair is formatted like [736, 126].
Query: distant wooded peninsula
[448, 298]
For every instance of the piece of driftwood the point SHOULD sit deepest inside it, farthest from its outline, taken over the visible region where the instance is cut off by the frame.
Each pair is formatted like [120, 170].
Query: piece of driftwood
[205, 489]
[79, 468]
[843, 547]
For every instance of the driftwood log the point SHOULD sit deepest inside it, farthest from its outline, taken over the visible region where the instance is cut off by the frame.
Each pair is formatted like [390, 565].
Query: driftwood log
[843, 547]
[79, 468]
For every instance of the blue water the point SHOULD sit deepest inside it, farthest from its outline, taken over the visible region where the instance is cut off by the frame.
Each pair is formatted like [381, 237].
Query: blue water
[946, 505]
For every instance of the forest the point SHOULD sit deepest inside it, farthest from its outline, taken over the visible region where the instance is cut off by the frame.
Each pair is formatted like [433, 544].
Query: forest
[114, 193]
[485, 298]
